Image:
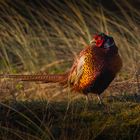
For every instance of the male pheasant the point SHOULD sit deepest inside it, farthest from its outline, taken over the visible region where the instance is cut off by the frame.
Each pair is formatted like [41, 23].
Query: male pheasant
[93, 70]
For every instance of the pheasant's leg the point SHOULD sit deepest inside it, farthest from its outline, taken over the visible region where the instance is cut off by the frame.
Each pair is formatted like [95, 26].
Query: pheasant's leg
[105, 106]
[87, 98]
[87, 102]
[100, 99]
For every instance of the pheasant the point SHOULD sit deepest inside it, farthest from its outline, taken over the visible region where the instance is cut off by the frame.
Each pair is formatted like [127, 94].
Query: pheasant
[93, 70]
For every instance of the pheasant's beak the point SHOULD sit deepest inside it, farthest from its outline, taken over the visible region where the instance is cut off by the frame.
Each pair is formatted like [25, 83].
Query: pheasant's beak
[93, 41]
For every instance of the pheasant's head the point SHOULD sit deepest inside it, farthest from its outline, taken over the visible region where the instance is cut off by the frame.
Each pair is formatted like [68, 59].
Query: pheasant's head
[102, 40]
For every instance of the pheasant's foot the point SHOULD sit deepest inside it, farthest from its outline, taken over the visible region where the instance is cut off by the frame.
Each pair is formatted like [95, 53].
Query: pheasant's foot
[106, 108]
[100, 100]
[86, 104]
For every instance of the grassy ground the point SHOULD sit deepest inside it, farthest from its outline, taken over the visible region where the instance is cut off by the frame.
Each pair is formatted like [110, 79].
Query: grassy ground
[56, 120]
[45, 37]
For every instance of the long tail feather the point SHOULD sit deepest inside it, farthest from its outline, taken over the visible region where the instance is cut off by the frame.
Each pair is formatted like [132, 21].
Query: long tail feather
[44, 78]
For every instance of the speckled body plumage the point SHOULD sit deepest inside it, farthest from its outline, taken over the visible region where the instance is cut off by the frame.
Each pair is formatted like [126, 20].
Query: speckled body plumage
[99, 68]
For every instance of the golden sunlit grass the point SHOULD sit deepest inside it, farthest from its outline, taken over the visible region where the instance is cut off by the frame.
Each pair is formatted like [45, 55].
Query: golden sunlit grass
[39, 37]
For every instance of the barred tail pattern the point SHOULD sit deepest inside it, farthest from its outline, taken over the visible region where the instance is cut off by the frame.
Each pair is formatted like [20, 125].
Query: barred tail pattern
[44, 78]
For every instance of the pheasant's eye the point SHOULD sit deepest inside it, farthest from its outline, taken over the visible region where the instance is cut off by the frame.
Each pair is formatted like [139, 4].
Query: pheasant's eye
[99, 38]
[99, 41]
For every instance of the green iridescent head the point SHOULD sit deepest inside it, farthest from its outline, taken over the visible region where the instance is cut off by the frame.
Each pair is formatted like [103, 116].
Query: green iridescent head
[103, 40]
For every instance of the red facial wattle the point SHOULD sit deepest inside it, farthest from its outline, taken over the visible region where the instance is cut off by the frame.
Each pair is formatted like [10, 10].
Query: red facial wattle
[98, 41]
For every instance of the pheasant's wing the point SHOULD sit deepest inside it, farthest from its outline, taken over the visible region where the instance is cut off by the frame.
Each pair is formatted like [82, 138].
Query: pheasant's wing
[77, 70]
